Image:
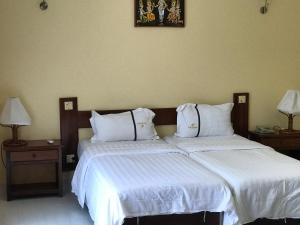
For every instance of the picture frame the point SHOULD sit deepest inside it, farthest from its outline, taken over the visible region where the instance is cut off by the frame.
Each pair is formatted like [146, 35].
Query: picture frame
[159, 13]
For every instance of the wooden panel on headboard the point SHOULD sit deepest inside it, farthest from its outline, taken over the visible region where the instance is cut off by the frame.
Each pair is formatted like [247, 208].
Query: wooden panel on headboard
[71, 120]
[68, 109]
[240, 114]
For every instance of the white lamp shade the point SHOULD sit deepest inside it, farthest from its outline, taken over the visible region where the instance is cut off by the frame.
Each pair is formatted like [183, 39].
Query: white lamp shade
[290, 103]
[14, 113]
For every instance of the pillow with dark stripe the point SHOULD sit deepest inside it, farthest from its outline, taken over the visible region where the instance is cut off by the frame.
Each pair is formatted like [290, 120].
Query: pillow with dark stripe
[132, 125]
[198, 120]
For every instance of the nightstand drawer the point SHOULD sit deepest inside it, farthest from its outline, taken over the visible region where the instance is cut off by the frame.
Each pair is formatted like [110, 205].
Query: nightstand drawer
[282, 143]
[34, 156]
[291, 143]
[272, 142]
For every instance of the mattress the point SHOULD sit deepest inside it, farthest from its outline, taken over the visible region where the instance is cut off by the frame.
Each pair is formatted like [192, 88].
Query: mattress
[265, 183]
[133, 179]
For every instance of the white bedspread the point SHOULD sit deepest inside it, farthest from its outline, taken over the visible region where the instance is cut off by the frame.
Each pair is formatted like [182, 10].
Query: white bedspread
[266, 184]
[213, 143]
[125, 147]
[133, 179]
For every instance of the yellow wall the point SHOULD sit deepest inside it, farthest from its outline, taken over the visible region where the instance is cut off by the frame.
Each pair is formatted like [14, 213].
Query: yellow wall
[91, 49]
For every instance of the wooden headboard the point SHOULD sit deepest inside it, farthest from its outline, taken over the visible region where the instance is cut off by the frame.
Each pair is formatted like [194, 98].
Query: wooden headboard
[71, 120]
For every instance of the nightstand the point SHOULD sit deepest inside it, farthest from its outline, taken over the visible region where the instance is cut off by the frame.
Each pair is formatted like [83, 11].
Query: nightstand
[34, 153]
[288, 144]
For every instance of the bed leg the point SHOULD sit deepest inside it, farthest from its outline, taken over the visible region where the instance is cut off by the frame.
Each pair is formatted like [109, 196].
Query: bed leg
[221, 218]
[204, 217]
[138, 221]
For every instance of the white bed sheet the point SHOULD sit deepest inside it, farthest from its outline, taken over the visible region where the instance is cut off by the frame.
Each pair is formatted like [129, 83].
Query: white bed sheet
[265, 183]
[118, 147]
[133, 179]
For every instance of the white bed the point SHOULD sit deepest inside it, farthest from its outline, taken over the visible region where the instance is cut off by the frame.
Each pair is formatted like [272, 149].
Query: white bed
[265, 183]
[118, 180]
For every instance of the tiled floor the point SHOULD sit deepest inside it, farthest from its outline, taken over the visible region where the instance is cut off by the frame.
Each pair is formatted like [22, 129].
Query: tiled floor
[43, 211]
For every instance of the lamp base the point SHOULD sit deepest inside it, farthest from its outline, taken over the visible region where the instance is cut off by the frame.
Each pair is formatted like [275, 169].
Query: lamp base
[13, 143]
[287, 131]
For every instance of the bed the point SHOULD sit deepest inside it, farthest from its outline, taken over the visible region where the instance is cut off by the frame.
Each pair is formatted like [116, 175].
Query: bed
[214, 190]
[119, 180]
[265, 183]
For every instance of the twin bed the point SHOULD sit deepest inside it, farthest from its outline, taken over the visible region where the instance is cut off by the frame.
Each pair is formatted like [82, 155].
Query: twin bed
[134, 182]
[265, 183]
[119, 180]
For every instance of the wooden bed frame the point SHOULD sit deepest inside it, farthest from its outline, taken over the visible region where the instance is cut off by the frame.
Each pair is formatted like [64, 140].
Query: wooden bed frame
[71, 120]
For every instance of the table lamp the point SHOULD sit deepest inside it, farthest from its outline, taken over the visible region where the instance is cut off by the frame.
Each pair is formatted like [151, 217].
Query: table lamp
[290, 106]
[14, 115]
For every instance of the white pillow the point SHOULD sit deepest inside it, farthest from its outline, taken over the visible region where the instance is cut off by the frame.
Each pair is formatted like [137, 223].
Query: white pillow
[214, 120]
[92, 121]
[120, 127]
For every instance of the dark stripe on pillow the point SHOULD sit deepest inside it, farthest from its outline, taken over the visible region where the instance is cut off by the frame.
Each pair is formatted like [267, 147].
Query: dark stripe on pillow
[198, 114]
[134, 125]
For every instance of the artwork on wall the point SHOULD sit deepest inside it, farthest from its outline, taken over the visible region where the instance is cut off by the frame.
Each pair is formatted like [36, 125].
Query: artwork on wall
[165, 13]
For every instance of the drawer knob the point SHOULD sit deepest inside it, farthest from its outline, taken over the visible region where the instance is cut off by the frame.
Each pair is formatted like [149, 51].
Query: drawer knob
[33, 155]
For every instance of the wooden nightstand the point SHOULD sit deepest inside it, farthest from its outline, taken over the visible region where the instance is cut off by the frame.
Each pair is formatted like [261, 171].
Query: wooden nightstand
[288, 144]
[35, 152]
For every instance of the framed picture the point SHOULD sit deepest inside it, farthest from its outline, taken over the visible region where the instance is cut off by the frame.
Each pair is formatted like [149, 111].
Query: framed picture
[159, 13]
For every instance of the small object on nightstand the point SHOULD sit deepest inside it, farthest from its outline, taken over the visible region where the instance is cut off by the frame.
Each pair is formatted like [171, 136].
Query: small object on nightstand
[264, 130]
[50, 141]
[34, 153]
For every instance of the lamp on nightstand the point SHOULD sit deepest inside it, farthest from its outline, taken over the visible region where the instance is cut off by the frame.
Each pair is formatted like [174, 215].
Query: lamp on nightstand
[14, 115]
[290, 106]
